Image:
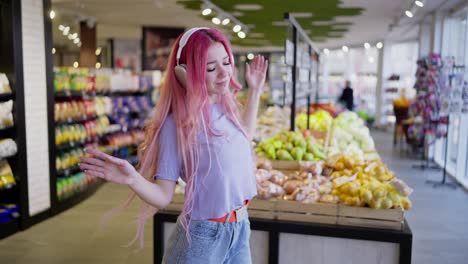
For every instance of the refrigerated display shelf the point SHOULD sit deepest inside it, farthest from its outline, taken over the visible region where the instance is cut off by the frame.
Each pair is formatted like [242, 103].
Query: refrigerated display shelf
[71, 121]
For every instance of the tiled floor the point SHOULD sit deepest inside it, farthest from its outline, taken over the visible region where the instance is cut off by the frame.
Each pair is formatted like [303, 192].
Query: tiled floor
[439, 220]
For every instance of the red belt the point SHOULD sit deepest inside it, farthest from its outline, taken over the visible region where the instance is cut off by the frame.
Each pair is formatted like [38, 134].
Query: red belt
[233, 217]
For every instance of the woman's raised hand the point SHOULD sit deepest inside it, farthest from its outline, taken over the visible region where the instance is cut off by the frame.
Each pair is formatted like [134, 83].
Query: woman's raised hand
[108, 167]
[255, 73]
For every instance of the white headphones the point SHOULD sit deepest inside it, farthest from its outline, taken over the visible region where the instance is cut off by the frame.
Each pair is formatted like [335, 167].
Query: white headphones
[181, 69]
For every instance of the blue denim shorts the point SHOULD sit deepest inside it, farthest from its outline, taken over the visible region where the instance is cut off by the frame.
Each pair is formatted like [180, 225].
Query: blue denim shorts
[211, 242]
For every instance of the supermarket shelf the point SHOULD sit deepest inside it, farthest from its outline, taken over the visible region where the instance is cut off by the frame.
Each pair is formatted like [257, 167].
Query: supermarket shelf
[122, 93]
[68, 172]
[9, 228]
[7, 132]
[69, 94]
[7, 96]
[78, 198]
[71, 121]
[80, 144]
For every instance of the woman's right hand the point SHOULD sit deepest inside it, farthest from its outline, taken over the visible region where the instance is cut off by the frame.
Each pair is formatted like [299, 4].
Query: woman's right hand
[108, 167]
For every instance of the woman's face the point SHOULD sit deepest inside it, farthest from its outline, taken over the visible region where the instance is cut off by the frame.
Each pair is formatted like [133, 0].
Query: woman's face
[218, 70]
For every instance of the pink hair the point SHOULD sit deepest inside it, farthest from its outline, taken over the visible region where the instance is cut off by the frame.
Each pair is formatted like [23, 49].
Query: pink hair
[185, 105]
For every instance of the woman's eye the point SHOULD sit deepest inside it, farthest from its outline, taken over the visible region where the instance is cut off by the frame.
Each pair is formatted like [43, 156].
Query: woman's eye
[227, 63]
[210, 70]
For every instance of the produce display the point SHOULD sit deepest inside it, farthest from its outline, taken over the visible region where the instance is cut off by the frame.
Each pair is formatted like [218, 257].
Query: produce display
[350, 135]
[271, 122]
[321, 120]
[289, 145]
[341, 179]
[74, 110]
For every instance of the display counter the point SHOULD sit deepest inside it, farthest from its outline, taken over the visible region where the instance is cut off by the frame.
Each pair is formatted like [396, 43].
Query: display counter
[286, 241]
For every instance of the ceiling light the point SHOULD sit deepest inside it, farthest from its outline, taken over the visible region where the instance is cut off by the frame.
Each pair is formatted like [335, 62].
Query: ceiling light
[76, 64]
[241, 34]
[98, 51]
[371, 60]
[326, 51]
[236, 28]
[61, 27]
[302, 15]
[408, 13]
[79, 44]
[250, 56]
[52, 14]
[216, 20]
[419, 3]
[345, 48]
[206, 11]
[53, 50]
[248, 7]
[98, 65]
[226, 21]
[66, 30]
[367, 45]
[379, 45]
[74, 36]
[70, 36]
[76, 41]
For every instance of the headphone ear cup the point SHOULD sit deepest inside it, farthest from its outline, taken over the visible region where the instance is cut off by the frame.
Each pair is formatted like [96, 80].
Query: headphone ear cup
[181, 74]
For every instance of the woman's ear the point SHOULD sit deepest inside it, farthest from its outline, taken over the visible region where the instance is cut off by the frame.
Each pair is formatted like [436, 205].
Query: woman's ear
[181, 74]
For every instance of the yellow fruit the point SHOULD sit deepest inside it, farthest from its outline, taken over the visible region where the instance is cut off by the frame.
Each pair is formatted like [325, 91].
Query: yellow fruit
[349, 163]
[339, 166]
[349, 200]
[376, 204]
[380, 192]
[406, 203]
[365, 195]
[335, 192]
[387, 203]
[345, 188]
[395, 197]
[355, 201]
[354, 187]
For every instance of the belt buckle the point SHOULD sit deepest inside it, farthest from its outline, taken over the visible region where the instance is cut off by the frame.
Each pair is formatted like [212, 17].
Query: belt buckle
[241, 214]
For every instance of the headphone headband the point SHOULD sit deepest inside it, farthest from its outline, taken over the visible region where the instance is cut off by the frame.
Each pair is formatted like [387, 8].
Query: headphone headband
[184, 39]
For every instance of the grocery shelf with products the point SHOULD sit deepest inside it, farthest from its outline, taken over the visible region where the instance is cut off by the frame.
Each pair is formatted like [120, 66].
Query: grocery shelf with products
[101, 108]
[14, 205]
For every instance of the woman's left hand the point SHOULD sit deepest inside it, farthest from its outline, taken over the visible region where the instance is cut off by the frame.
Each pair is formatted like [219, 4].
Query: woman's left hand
[255, 73]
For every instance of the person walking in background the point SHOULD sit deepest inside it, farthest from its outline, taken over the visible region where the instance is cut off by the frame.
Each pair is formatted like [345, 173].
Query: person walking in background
[347, 98]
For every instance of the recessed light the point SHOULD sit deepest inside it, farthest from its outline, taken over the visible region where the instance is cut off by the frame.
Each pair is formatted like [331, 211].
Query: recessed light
[76, 64]
[409, 13]
[216, 21]
[419, 3]
[226, 21]
[236, 28]
[367, 45]
[302, 15]
[379, 45]
[241, 34]
[248, 7]
[250, 56]
[52, 14]
[279, 23]
[256, 35]
[206, 11]
[345, 48]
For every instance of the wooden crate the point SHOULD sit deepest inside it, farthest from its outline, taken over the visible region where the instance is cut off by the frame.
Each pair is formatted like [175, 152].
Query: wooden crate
[312, 213]
[322, 213]
[368, 217]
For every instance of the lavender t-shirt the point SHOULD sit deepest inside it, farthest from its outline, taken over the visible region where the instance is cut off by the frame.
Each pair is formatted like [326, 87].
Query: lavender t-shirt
[225, 177]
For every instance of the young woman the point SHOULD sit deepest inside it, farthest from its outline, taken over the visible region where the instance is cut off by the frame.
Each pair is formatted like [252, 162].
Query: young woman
[197, 133]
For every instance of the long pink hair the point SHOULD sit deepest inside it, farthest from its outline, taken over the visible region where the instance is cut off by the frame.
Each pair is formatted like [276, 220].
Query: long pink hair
[185, 105]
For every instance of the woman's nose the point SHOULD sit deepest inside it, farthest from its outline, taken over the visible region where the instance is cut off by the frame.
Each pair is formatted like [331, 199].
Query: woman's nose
[222, 72]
